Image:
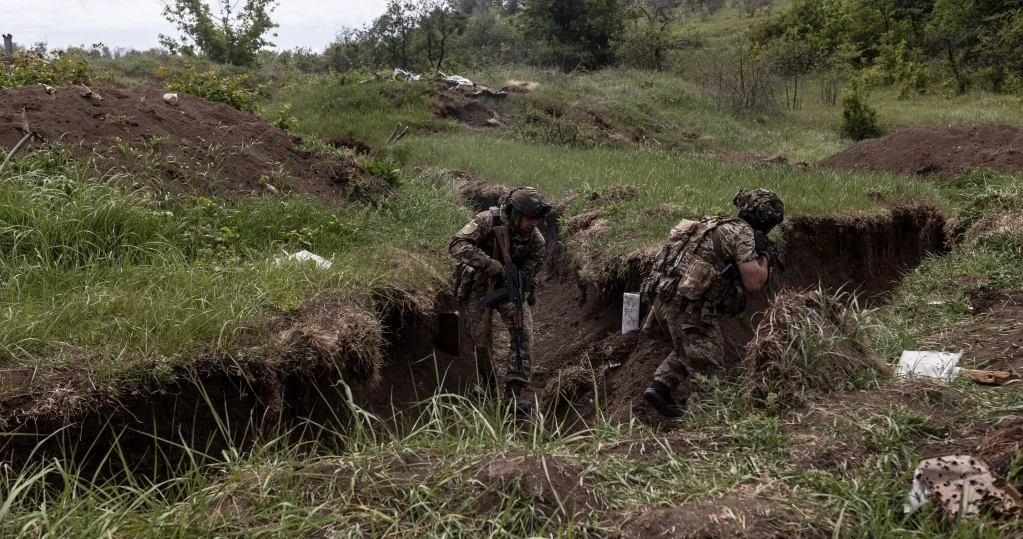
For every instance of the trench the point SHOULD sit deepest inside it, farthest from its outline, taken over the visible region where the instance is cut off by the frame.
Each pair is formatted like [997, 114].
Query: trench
[158, 432]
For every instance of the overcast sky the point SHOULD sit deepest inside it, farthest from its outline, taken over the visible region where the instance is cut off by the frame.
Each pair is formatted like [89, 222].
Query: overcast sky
[138, 23]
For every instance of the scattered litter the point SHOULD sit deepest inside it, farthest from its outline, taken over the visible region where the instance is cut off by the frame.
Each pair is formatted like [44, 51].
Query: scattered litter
[304, 255]
[457, 80]
[171, 98]
[630, 312]
[962, 485]
[940, 365]
[995, 378]
[408, 75]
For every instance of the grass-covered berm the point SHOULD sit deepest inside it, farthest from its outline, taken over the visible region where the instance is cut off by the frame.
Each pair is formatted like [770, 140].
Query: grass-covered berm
[167, 371]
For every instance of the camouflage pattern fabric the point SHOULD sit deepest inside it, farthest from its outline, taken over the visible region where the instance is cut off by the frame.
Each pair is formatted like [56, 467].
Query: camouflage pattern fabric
[475, 312]
[964, 486]
[696, 338]
[693, 324]
[471, 248]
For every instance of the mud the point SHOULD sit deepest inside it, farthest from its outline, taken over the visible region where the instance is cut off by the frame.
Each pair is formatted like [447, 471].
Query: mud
[936, 150]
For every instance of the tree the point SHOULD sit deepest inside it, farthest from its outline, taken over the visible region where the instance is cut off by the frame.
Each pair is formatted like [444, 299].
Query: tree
[578, 32]
[230, 37]
[393, 31]
[438, 23]
[650, 37]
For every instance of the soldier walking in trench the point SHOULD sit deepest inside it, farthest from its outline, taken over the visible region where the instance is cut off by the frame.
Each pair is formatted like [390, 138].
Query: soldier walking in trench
[480, 268]
[703, 272]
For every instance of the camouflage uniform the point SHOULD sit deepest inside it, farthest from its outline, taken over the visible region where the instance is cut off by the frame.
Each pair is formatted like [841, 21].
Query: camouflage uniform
[473, 247]
[690, 290]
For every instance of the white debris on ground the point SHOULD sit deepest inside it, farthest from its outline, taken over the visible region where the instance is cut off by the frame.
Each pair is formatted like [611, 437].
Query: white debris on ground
[409, 76]
[171, 98]
[963, 486]
[457, 80]
[940, 365]
[303, 256]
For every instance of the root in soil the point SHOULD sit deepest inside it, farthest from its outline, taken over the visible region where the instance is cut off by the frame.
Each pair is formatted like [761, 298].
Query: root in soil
[808, 343]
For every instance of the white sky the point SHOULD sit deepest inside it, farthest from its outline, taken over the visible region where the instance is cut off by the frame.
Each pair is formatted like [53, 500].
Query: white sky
[138, 23]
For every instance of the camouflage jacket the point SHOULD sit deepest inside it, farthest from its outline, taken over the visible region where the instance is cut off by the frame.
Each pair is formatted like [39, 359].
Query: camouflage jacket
[474, 246]
[700, 260]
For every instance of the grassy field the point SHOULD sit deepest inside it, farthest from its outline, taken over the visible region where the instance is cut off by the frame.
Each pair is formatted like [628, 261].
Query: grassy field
[124, 287]
[105, 279]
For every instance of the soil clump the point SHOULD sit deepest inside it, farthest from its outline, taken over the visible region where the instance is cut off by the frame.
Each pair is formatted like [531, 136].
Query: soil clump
[940, 150]
[192, 144]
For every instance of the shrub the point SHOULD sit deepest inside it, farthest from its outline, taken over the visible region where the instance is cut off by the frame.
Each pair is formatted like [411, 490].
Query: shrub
[60, 68]
[809, 343]
[859, 120]
[213, 86]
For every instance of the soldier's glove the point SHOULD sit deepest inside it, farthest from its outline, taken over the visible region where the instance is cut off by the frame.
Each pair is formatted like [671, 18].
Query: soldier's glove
[495, 269]
[531, 299]
[764, 246]
[760, 242]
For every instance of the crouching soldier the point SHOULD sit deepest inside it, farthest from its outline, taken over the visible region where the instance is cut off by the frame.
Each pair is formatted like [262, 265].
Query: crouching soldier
[703, 272]
[481, 268]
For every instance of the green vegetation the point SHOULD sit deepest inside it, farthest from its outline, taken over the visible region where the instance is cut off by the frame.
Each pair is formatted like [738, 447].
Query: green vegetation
[64, 67]
[228, 37]
[108, 277]
[212, 86]
[461, 470]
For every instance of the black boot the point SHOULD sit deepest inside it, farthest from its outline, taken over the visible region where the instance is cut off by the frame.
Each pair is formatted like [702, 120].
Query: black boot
[659, 396]
[520, 407]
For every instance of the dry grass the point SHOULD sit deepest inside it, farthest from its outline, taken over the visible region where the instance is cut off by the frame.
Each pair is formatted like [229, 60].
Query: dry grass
[349, 340]
[809, 342]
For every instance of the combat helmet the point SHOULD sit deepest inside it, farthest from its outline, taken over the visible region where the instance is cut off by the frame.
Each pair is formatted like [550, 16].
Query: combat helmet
[762, 208]
[525, 201]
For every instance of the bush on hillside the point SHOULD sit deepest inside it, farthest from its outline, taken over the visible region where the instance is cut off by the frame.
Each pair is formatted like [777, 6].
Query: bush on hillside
[212, 86]
[859, 120]
[59, 68]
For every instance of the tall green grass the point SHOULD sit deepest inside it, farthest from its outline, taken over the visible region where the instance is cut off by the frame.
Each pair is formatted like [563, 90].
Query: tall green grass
[668, 186]
[101, 278]
[464, 469]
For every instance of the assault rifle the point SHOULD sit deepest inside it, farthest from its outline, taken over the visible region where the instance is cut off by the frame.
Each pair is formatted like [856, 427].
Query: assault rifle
[517, 286]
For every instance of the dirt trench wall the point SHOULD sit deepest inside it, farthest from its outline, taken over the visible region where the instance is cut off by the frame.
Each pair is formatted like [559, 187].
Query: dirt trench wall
[214, 407]
[579, 323]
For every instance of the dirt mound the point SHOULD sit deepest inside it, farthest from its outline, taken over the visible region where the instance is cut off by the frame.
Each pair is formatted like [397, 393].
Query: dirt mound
[457, 106]
[728, 517]
[191, 144]
[944, 150]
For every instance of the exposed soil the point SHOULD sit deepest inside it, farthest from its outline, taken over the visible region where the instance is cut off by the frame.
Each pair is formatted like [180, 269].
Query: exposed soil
[944, 150]
[577, 324]
[993, 338]
[458, 106]
[732, 516]
[193, 144]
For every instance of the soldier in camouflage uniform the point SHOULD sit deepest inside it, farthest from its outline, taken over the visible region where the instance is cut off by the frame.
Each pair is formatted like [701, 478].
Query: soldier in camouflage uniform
[479, 269]
[703, 272]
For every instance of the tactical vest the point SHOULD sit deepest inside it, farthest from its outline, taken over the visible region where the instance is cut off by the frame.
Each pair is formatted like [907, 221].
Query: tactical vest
[677, 269]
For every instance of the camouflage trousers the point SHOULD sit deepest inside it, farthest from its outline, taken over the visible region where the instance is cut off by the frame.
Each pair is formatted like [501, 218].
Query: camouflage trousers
[489, 371]
[695, 335]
